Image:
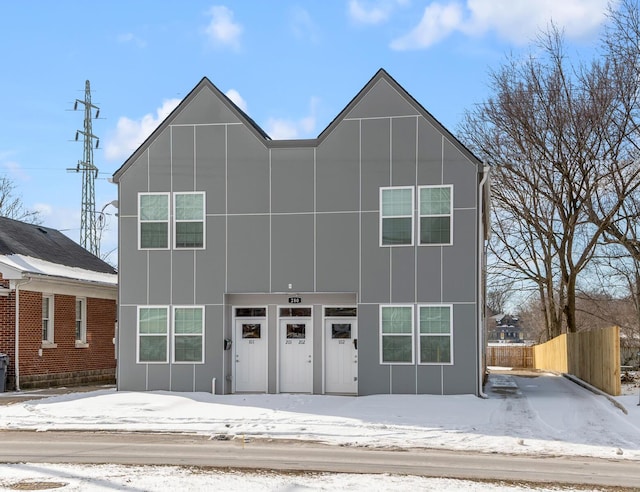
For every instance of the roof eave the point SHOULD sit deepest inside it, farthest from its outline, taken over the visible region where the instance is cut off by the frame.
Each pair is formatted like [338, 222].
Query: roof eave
[381, 74]
[69, 280]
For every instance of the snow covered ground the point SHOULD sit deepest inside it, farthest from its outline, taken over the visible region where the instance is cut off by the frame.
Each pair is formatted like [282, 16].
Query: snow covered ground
[68, 478]
[523, 415]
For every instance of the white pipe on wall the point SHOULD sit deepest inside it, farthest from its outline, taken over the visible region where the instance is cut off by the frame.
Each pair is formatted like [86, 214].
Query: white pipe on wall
[16, 356]
[481, 239]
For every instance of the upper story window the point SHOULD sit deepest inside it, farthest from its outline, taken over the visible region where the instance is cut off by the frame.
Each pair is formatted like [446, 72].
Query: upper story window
[435, 214]
[396, 216]
[187, 217]
[189, 220]
[153, 213]
[47, 319]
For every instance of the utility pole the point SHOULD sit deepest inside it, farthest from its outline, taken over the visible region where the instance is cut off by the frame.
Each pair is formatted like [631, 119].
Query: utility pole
[88, 225]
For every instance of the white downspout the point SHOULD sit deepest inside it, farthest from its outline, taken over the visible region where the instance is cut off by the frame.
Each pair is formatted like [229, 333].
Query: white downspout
[485, 176]
[16, 355]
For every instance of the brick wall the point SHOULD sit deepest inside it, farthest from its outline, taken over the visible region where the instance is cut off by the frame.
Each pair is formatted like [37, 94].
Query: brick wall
[7, 327]
[64, 364]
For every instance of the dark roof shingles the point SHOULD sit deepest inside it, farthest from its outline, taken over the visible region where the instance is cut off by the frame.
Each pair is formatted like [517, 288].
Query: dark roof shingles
[47, 244]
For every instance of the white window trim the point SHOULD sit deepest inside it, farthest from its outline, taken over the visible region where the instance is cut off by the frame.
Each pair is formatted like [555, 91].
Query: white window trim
[420, 335]
[168, 221]
[203, 220]
[167, 335]
[412, 334]
[450, 215]
[49, 342]
[174, 334]
[82, 341]
[411, 216]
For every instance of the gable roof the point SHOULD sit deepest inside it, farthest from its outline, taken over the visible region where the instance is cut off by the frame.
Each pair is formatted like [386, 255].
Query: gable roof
[381, 74]
[204, 83]
[19, 239]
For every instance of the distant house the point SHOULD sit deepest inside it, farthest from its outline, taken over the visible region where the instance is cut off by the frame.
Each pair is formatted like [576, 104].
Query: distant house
[350, 263]
[505, 328]
[57, 309]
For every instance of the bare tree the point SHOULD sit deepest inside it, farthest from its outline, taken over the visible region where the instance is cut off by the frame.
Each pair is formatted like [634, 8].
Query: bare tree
[11, 205]
[622, 49]
[533, 321]
[498, 296]
[561, 140]
[614, 298]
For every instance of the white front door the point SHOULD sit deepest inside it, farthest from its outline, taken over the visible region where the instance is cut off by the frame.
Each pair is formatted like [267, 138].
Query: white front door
[251, 355]
[341, 356]
[296, 350]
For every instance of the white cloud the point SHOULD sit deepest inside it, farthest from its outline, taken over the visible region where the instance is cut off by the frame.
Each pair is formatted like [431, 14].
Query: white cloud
[14, 169]
[222, 30]
[44, 209]
[237, 99]
[286, 129]
[64, 219]
[130, 38]
[303, 26]
[372, 12]
[129, 134]
[279, 129]
[515, 21]
[437, 22]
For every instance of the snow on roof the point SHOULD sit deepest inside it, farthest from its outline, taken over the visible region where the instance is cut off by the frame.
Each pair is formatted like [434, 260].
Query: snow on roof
[45, 243]
[29, 265]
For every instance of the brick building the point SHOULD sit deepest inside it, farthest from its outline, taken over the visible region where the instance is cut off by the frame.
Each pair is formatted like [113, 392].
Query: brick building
[57, 309]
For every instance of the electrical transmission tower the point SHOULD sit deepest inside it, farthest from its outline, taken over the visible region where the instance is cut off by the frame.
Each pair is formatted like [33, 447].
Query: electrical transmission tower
[88, 216]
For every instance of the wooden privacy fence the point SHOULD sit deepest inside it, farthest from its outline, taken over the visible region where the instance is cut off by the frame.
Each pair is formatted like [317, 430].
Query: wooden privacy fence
[519, 356]
[593, 356]
[552, 355]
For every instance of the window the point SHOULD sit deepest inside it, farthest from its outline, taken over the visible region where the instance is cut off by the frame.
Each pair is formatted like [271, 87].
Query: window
[296, 330]
[152, 334]
[435, 214]
[251, 330]
[340, 312]
[396, 216]
[188, 330]
[189, 220]
[153, 213]
[286, 312]
[250, 312]
[47, 319]
[396, 334]
[435, 335]
[340, 330]
[81, 320]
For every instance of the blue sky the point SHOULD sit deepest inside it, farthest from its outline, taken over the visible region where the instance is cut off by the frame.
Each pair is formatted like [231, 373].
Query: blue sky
[291, 65]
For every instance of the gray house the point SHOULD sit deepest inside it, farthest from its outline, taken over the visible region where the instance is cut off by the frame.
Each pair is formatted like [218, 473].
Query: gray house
[347, 264]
